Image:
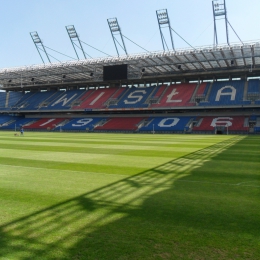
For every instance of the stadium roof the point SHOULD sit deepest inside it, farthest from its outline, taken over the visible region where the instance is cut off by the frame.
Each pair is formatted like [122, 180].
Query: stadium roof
[236, 59]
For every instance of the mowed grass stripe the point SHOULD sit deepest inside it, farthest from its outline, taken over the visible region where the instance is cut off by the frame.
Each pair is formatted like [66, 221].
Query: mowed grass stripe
[164, 142]
[164, 146]
[90, 158]
[159, 151]
[81, 167]
[112, 139]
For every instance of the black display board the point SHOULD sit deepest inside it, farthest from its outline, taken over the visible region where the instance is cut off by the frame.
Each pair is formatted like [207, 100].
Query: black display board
[116, 72]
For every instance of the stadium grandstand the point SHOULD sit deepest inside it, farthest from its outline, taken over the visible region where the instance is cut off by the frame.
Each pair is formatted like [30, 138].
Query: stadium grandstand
[213, 89]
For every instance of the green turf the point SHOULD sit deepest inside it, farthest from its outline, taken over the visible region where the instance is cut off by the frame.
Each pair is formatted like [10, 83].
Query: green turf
[128, 196]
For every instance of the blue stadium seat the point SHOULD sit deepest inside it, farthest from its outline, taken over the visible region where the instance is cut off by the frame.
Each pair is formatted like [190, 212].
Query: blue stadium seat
[22, 102]
[2, 99]
[171, 123]
[37, 99]
[5, 118]
[18, 122]
[257, 129]
[79, 124]
[226, 93]
[14, 97]
[134, 98]
[253, 86]
[64, 100]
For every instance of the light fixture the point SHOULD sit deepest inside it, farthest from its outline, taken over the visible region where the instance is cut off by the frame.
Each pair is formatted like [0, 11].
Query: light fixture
[91, 74]
[143, 70]
[64, 76]
[179, 67]
[232, 62]
[32, 79]
[9, 80]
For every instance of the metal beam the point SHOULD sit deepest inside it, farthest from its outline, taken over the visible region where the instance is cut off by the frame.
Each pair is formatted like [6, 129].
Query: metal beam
[39, 45]
[116, 31]
[164, 22]
[219, 11]
[74, 38]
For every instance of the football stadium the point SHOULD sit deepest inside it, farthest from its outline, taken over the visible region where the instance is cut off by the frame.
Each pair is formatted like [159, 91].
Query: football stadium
[154, 155]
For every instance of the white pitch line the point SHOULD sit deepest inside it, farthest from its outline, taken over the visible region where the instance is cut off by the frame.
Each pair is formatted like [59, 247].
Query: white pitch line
[244, 182]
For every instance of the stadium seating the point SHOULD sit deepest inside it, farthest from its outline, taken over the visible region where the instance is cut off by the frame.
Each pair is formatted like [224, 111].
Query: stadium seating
[159, 91]
[5, 118]
[226, 93]
[2, 99]
[119, 92]
[95, 98]
[253, 86]
[13, 122]
[162, 124]
[81, 124]
[232, 123]
[17, 122]
[22, 102]
[221, 93]
[45, 124]
[121, 124]
[134, 98]
[257, 129]
[178, 95]
[46, 105]
[65, 100]
[14, 97]
[202, 89]
[34, 102]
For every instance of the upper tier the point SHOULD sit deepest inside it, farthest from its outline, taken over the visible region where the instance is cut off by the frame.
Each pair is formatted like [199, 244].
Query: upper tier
[217, 94]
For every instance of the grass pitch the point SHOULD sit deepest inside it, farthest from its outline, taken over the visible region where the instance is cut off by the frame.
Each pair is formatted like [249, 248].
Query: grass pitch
[127, 196]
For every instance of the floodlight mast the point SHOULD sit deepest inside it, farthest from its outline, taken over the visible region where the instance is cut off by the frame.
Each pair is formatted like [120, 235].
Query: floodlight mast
[164, 22]
[38, 44]
[219, 10]
[75, 38]
[115, 30]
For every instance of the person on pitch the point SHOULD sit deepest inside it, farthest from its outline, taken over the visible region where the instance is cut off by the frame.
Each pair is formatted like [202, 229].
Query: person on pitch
[21, 131]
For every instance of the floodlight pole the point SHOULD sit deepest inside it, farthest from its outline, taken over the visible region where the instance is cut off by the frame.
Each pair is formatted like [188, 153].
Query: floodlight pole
[219, 10]
[38, 44]
[115, 30]
[164, 22]
[75, 38]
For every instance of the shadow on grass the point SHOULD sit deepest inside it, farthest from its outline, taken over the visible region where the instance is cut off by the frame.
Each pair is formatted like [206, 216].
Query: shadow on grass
[161, 213]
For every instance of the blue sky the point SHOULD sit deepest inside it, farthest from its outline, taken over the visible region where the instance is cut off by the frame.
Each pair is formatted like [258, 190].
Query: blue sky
[192, 19]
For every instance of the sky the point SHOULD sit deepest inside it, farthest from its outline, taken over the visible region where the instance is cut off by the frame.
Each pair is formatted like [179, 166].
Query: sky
[191, 19]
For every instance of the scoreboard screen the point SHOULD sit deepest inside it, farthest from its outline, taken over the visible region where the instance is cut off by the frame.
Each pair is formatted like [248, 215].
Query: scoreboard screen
[115, 72]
